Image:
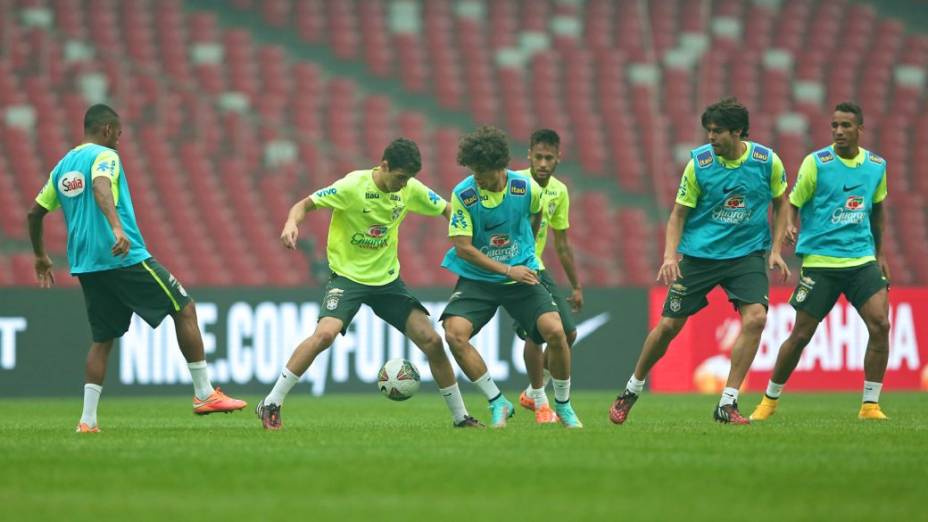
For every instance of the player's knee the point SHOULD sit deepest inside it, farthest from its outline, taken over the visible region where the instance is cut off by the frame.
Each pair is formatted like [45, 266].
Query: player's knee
[456, 338]
[668, 328]
[571, 337]
[754, 320]
[430, 344]
[325, 338]
[555, 337]
[878, 327]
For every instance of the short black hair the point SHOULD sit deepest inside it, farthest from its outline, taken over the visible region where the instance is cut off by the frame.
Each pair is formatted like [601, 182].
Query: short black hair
[729, 114]
[546, 136]
[853, 108]
[97, 116]
[403, 154]
[487, 148]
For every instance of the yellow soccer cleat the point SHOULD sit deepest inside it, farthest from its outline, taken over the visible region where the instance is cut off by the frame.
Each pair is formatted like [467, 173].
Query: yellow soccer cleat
[765, 409]
[871, 411]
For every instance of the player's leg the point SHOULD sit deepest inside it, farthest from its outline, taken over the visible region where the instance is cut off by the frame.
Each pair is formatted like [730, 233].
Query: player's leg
[397, 306]
[95, 370]
[419, 329]
[685, 297]
[471, 306]
[534, 309]
[534, 357]
[340, 303]
[868, 291]
[154, 293]
[814, 296]
[109, 318]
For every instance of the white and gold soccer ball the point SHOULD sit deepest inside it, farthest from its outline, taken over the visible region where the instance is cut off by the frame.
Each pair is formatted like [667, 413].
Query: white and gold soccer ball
[398, 379]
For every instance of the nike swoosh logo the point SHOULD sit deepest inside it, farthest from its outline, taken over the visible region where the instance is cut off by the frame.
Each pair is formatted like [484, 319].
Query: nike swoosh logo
[586, 328]
[728, 189]
[846, 189]
[488, 227]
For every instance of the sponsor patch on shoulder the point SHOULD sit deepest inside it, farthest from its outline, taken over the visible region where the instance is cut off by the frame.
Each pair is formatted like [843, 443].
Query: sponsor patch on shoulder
[825, 156]
[876, 159]
[468, 197]
[517, 187]
[760, 153]
[704, 159]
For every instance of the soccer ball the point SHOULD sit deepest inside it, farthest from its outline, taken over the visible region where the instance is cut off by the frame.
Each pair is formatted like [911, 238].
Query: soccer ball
[398, 379]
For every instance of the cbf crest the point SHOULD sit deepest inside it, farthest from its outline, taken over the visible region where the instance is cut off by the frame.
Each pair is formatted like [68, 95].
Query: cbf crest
[332, 298]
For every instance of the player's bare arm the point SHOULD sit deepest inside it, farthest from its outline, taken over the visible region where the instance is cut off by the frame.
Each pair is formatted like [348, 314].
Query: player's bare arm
[670, 269]
[447, 212]
[43, 263]
[877, 222]
[780, 224]
[296, 215]
[103, 194]
[466, 250]
[566, 255]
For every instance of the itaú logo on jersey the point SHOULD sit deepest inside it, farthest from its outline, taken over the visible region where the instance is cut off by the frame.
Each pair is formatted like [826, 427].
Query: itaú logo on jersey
[732, 211]
[71, 184]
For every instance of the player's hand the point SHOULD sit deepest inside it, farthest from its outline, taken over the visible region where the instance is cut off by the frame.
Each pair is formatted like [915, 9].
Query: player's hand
[669, 271]
[122, 244]
[791, 234]
[776, 262]
[523, 274]
[289, 235]
[43, 272]
[884, 266]
[576, 299]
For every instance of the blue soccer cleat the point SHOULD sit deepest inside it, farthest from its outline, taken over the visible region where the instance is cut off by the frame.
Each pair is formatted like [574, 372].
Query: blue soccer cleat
[500, 411]
[568, 416]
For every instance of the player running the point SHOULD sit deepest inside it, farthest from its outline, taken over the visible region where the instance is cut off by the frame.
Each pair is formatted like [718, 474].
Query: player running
[544, 156]
[719, 224]
[367, 209]
[838, 197]
[107, 254]
[493, 253]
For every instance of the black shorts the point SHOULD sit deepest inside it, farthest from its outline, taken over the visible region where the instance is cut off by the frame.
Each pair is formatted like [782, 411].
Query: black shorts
[563, 307]
[744, 279]
[391, 302]
[146, 288]
[477, 301]
[819, 288]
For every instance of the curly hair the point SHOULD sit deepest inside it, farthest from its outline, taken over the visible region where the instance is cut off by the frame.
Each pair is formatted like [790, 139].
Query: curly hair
[487, 148]
[403, 154]
[729, 114]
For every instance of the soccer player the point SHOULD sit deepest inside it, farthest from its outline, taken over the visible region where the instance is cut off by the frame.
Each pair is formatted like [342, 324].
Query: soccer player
[493, 253]
[719, 224]
[838, 198]
[107, 254]
[544, 156]
[367, 209]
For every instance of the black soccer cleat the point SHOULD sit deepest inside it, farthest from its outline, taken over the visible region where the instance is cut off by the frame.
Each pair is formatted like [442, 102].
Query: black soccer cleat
[729, 414]
[469, 422]
[618, 413]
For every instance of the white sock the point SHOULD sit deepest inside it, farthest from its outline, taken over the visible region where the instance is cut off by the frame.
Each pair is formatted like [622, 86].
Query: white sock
[547, 379]
[487, 386]
[282, 387]
[561, 390]
[774, 390]
[201, 386]
[91, 399]
[634, 385]
[539, 396]
[528, 390]
[872, 391]
[729, 396]
[452, 396]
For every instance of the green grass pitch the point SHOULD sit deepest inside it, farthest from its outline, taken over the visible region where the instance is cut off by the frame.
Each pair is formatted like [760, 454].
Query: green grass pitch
[361, 457]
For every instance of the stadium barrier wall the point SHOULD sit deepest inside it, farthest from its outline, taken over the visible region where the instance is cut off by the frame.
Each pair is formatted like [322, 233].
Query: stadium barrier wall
[698, 359]
[250, 333]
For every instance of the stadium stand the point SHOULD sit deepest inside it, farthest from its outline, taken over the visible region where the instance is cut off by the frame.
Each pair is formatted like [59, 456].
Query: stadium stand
[223, 133]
